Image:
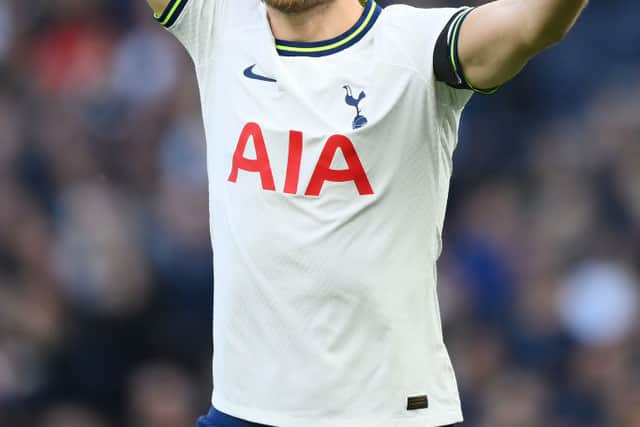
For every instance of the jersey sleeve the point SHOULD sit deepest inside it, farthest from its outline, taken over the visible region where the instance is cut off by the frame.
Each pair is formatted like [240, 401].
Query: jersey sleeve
[446, 61]
[193, 23]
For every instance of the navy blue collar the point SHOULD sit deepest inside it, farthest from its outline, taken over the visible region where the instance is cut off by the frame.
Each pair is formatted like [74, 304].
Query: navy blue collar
[327, 47]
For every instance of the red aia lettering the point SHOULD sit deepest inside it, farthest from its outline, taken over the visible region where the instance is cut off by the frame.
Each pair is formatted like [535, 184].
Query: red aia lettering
[293, 165]
[260, 164]
[323, 171]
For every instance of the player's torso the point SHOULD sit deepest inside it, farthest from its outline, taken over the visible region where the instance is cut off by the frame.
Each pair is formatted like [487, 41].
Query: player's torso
[328, 182]
[319, 140]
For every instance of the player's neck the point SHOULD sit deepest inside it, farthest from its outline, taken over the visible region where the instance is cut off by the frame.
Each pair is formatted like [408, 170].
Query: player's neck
[322, 22]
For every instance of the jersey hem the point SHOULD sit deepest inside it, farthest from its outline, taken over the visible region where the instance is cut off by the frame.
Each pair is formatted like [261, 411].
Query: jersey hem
[431, 419]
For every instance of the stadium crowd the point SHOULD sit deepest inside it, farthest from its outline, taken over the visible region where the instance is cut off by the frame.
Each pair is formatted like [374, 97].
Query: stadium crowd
[105, 260]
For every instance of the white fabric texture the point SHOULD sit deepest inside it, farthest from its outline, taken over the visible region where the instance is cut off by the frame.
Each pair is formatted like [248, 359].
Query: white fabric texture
[325, 305]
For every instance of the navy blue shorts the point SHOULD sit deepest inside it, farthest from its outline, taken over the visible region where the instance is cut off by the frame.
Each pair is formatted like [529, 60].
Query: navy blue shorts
[216, 418]
[219, 419]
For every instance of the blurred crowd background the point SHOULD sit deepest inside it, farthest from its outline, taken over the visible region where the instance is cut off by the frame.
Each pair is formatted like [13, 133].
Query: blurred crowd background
[105, 261]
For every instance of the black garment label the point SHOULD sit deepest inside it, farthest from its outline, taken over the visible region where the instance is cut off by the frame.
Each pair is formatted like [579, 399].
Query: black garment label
[417, 402]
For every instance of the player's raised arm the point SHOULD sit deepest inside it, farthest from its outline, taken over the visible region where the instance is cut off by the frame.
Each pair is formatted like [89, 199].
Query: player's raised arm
[195, 23]
[493, 42]
[158, 6]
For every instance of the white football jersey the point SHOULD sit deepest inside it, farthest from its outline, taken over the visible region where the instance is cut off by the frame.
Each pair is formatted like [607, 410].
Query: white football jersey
[329, 167]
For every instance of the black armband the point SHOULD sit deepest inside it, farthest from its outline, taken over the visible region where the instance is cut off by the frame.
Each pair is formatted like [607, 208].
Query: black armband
[446, 62]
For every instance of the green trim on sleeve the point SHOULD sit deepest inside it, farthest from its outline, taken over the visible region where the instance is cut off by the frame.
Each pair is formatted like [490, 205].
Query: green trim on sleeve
[455, 59]
[171, 13]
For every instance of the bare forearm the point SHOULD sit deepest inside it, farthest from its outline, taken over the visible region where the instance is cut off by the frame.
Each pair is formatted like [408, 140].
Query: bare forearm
[499, 38]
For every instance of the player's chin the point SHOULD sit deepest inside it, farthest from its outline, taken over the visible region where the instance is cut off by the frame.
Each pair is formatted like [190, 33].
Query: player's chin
[295, 6]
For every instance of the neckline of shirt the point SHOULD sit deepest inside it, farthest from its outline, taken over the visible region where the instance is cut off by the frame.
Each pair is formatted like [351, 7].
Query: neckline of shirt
[350, 37]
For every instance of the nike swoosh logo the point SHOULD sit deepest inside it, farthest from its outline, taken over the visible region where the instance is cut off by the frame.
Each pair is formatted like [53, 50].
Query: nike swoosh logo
[248, 73]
